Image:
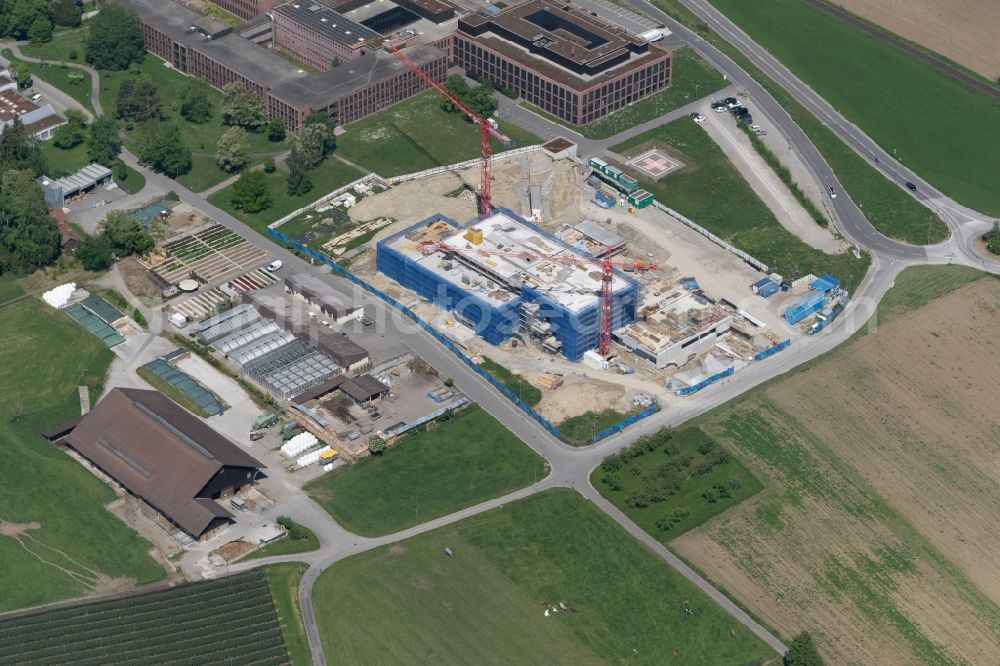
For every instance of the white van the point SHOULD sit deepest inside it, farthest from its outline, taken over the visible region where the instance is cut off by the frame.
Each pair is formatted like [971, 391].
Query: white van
[275, 265]
[178, 320]
[36, 98]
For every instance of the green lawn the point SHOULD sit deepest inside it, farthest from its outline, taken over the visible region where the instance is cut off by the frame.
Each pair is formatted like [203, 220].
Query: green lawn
[203, 174]
[63, 44]
[65, 162]
[40, 484]
[518, 385]
[888, 207]
[286, 546]
[711, 191]
[579, 430]
[408, 603]
[934, 124]
[9, 288]
[429, 473]
[327, 177]
[416, 135]
[693, 78]
[73, 82]
[283, 579]
[671, 482]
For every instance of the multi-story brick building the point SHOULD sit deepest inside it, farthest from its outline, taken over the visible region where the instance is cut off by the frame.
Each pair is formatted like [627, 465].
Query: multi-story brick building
[210, 50]
[317, 35]
[247, 9]
[561, 59]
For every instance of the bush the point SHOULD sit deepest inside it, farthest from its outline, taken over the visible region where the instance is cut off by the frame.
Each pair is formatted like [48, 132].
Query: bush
[269, 165]
[295, 531]
[704, 448]
[993, 239]
[710, 496]
[612, 463]
[612, 481]
[376, 445]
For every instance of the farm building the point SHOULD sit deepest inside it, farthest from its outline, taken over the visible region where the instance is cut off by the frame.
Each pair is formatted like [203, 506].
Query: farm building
[162, 454]
[500, 274]
[58, 191]
[322, 296]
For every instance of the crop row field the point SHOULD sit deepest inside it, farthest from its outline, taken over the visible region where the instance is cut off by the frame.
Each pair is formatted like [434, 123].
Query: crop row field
[226, 621]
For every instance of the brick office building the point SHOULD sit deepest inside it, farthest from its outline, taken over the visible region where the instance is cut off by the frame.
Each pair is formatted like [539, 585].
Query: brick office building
[247, 9]
[210, 50]
[561, 59]
[316, 35]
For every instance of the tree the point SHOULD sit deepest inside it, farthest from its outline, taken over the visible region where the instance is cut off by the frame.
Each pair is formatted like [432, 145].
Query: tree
[40, 30]
[376, 445]
[457, 86]
[269, 165]
[313, 142]
[482, 99]
[196, 105]
[114, 38]
[138, 100]
[95, 252]
[242, 107]
[276, 130]
[66, 13]
[73, 132]
[20, 150]
[250, 192]
[23, 77]
[29, 237]
[21, 15]
[231, 153]
[103, 144]
[993, 239]
[802, 652]
[162, 148]
[299, 182]
[125, 234]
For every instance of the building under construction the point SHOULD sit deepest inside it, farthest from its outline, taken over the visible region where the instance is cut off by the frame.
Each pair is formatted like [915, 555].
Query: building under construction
[673, 327]
[502, 275]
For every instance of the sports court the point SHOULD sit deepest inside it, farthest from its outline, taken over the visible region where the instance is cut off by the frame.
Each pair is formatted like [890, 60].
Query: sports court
[654, 163]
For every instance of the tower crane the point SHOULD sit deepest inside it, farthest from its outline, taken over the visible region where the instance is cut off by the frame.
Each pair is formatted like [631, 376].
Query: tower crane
[607, 264]
[487, 129]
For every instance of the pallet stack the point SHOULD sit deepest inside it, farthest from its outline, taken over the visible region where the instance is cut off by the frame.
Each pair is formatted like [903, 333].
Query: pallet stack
[548, 381]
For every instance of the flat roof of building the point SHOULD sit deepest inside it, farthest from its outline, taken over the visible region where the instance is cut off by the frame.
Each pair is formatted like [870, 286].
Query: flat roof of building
[325, 21]
[13, 105]
[363, 388]
[512, 255]
[678, 317]
[597, 233]
[160, 452]
[256, 63]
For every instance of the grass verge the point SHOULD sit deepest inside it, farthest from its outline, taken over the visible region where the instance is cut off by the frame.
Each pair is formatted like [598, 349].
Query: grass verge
[74, 539]
[415, 135]
[709, 188]
[924, 126]
[284, 579]
[888, 207]
[579, 430]
[692, 79]
[487, 604]
[518, 385]
[465, 460]
[286, 545]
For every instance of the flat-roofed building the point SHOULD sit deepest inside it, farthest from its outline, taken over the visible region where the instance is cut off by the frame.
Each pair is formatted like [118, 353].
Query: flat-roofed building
[316, 35]
[40, 121]
[164, 455]
[675, 329]
[561, 59]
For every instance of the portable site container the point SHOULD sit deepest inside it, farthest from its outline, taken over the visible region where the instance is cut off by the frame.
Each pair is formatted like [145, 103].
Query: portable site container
[768, 290]
[640, 199]
[810, 303]
[627, 182]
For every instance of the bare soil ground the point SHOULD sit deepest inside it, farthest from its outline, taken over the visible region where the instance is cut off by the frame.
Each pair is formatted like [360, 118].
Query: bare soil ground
[962, 30]
[877, 531]
[579, 395]
[231, 550]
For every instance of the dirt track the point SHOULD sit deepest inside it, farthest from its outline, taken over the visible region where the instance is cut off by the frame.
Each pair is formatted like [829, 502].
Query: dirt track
[964, 31]
[877, 532]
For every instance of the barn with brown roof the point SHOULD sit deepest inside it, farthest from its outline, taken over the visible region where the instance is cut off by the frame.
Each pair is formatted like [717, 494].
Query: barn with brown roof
[164, 455]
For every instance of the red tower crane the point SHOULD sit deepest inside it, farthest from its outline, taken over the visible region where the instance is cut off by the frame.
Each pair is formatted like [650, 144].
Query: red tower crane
[607, 264]
[487, 129]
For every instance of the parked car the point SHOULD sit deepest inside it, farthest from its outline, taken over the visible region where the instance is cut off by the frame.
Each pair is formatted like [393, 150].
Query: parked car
[911, 186]
[275, 265]
[761, 132]
[833, 193]
[699, 118]
[731, 102]
[718, 105]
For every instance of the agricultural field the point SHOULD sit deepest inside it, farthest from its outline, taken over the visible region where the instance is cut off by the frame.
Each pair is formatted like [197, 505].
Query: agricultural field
[415, 135]
[545, 580]
[693, 78]
[875, 529]
[937, 126]
[460, 462]
[671, 482]
[225, 621]
[284, 580]
[57, 540]
[709, 188]
[957, 29]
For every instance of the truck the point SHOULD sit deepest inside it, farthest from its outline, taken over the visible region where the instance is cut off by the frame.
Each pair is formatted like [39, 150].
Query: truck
[652, 35]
